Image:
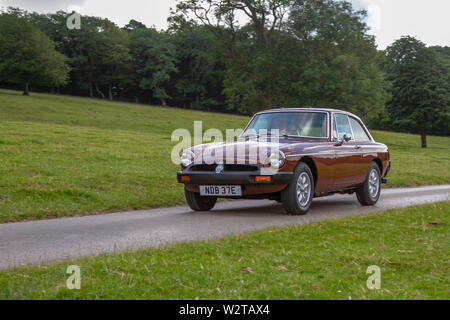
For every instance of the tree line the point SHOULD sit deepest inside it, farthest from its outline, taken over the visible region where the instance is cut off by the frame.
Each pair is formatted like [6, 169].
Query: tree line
[284, 53]
[133, 63]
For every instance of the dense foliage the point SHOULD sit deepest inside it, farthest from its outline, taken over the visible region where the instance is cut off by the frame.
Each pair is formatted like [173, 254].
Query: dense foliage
[238, 56]
[302, 53]
[28, 56]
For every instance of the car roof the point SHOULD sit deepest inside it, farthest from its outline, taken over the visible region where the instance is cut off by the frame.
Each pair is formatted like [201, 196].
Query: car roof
[306, 110]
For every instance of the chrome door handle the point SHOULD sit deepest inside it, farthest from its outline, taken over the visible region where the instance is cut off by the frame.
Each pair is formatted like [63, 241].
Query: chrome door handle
[357, 147]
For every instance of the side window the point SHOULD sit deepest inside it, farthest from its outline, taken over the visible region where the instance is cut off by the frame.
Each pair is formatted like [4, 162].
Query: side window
[358, 131]
[343, 125]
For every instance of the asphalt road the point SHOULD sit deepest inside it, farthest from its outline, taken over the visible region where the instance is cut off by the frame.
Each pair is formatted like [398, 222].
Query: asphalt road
[39, 242]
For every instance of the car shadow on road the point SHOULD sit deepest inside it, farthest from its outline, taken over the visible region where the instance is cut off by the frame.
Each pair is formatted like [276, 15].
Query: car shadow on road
[261, 210]
[319, 206]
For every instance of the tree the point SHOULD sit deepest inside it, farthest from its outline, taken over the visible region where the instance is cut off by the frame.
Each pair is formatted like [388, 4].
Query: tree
[113, 56]
[133, 25]
[28, 56]
[420, 93]
[293, 53]
[252, 53]
[442, 55]
[98, 52]
[443, 58]
[199, 81]
[154, 59]
[82, 46]
[339, 64]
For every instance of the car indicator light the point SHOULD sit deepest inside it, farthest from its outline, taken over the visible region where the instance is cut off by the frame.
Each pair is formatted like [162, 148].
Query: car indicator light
[263, 179]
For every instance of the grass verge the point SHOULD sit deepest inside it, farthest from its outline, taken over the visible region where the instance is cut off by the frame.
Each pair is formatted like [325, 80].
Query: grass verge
[324, 260]
[66, 156]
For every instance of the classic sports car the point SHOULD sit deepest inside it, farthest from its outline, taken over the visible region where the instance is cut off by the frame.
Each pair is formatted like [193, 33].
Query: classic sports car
[290, 156]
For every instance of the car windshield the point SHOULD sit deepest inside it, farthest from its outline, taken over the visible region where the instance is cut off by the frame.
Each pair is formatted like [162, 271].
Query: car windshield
[297, 124]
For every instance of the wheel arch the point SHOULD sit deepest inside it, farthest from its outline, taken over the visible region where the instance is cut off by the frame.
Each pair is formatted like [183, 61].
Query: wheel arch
[379, 164]
[312, 165]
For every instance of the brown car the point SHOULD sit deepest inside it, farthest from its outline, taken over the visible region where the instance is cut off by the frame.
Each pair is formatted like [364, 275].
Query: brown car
[291, 156]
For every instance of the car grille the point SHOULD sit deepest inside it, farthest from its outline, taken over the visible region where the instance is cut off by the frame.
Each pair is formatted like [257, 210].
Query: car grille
[227, 167]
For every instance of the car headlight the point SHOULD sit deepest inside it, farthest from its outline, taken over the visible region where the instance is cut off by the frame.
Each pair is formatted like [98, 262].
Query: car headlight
[187, 158]
[277, 159]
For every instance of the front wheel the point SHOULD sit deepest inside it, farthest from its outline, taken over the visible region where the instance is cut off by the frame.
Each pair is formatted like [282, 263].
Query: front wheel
[297, 197]
[369, 193]
[198, 203]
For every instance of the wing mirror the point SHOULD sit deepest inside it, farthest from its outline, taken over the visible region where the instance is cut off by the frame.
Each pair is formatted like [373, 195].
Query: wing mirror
[347, 137]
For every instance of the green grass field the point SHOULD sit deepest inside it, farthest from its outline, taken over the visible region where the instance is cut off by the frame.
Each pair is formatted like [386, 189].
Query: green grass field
[66, 156]
[324, 260]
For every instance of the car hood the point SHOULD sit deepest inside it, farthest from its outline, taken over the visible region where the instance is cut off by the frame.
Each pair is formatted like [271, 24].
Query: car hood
[251, 151]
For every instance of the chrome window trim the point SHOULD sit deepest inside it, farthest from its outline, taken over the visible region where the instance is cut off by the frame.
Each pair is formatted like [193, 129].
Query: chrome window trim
[333, 122]
[331, 153]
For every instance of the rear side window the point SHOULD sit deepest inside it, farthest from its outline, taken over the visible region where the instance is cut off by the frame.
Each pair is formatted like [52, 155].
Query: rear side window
[343, 125]
[358, 131]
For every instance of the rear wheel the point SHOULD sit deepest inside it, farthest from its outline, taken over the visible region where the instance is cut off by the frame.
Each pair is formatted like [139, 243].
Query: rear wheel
[297, 197]
[198, 203]
[369, 193]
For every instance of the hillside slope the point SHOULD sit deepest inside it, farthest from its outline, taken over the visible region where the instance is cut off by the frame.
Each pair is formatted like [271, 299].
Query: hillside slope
[64, 156]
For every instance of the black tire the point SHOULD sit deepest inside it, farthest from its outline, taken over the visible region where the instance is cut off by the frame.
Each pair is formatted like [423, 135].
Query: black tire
[290, 197]
[198, 203]
[369, 193]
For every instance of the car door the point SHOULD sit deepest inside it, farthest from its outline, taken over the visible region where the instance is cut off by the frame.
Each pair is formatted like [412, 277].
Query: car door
[348, 167]
[364, 143]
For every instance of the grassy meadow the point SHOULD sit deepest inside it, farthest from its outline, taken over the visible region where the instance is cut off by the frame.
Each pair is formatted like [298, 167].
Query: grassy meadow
[323, 260]
[67, 156]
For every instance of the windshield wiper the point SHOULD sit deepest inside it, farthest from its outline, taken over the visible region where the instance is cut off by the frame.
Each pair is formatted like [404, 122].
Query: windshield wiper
[268, 134]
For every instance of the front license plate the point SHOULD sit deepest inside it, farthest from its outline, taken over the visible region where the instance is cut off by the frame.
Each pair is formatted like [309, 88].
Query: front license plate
[221, 191]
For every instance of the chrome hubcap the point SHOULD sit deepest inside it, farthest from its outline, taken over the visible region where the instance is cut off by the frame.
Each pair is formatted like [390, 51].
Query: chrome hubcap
[303, 189]
[374, 184]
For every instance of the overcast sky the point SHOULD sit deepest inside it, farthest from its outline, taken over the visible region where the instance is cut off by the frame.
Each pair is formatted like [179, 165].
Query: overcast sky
[389, 19]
